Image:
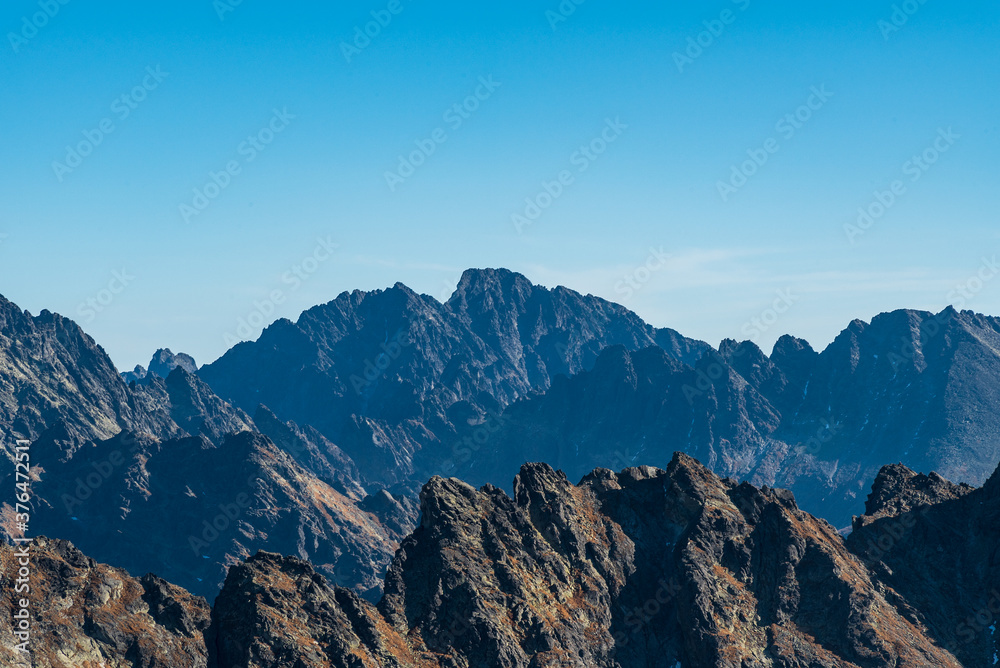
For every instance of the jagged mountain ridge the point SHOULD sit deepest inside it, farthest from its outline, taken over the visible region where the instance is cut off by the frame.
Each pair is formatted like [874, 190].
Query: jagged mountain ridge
[378, 372]
[752, 416]
[936, 544]
[188, 509]
[644, 568]
[914, 387]
[909, 386]
[51, 371]
[133, 473]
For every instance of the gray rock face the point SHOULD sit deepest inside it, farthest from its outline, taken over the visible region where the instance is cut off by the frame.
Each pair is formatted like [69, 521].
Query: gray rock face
[631, 408]
[648, 567]
[52, 373]
[910, 387]
[411, 388]
[162, 475]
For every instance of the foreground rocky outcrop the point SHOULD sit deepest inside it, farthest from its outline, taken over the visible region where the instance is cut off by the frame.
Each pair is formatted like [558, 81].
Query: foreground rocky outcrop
[89, 615]
[648, 567]
[937, 545]
[642, 568]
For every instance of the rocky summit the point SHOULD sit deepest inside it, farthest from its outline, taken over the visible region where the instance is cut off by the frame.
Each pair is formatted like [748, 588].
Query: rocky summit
[391, 376]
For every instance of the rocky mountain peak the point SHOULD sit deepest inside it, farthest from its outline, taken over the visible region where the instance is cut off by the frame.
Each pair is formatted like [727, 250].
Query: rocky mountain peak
[444, 499]
[898, 490]
[164, 361]
[492, 283]
[788, 347]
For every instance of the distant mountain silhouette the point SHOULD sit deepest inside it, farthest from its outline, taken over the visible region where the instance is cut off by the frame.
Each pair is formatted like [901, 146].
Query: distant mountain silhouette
[163, 362]
[387, 374]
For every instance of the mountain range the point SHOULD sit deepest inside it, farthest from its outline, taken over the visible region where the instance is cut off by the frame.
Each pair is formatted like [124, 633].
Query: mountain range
[506, 372]
[292, 473]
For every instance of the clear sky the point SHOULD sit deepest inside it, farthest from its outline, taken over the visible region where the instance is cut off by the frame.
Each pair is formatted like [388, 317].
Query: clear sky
[114, 113]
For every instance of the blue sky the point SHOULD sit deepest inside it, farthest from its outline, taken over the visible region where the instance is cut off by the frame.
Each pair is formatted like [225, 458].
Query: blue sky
[640, 219]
